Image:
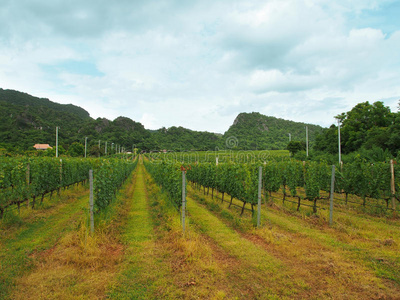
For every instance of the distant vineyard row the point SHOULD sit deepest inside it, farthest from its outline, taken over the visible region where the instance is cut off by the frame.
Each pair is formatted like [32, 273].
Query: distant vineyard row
[240, 181]
[22, 179]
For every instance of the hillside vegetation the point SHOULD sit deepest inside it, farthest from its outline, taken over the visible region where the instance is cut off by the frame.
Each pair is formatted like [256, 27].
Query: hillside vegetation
[26, 120]
[257, 131]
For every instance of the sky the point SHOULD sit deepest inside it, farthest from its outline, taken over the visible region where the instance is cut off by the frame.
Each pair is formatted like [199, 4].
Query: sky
[198, 64]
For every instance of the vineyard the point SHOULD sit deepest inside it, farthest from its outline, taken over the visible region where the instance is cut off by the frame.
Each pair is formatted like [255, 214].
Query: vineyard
[24, 179]
[138, 249]
[306, 182]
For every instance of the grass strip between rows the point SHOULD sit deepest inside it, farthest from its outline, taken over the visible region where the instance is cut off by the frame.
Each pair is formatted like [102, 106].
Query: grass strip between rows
[17, 254]
[139, 276]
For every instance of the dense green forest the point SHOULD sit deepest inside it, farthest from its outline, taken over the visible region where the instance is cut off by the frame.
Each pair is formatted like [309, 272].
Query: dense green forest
[257, 131]
[365, 128]
[26, 120]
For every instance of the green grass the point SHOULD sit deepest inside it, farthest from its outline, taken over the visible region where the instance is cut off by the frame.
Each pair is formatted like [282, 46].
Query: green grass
[256, 263]
[365, 251]
[40, 232]
[140, 272]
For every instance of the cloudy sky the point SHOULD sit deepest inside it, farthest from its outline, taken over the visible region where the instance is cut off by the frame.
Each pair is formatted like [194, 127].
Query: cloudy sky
[198, 64]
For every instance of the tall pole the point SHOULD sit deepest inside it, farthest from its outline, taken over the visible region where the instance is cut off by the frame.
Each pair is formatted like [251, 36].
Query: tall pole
[56, 141]
[91, 201]
[290, 137]
[183, 201]
[340, 148]
[331, 198]
[307, 139]
[99, 148]
[393, 186]
[85, 145]
[259, 196]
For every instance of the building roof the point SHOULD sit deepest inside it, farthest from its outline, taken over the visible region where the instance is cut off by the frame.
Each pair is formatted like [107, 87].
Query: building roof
[42, 146]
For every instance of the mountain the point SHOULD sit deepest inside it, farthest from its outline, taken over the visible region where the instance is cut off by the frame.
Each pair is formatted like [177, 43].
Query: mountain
[257, 131]
[23, 99]
[179, 138]
[122, 131]
[26, 120]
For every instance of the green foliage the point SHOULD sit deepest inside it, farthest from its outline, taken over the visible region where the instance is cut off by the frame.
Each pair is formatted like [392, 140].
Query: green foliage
[256, 131]
[366, 179]
[296, 146]
[366, 126]
[169, 177]
[241, 180]
[179, 138]
[272, 176]
[23, 178]
[109, 175]
[76, 150]
[317, 178]
[26, 120]
[238, 180]
[292, 175]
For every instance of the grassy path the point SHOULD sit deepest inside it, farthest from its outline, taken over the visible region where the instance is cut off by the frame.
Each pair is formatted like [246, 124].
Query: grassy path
[142, 273]
[21, 247]
[327, 265]
[80, 265]
[267, 275]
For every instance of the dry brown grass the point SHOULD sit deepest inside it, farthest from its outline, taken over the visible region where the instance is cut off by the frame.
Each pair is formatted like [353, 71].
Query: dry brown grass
[78, 267]
[329, 272]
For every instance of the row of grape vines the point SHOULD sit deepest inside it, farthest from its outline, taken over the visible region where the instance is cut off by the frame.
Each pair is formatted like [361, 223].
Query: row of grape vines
[169, 177]
[109, 175]
[22, 179]
[302, 180]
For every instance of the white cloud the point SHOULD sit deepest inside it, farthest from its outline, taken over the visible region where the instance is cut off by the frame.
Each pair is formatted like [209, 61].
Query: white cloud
[198, 64]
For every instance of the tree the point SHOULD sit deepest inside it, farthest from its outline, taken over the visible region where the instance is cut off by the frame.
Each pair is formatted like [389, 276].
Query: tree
[365, 125]
[327, 141]
[295, 146]
[76, 150]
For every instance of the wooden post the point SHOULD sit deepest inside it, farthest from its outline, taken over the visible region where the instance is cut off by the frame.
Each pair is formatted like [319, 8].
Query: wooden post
[331, 200]
[183, 201]
[28, 182]
[59, 188]
[91, 201]
[392, 184]
[259, 196]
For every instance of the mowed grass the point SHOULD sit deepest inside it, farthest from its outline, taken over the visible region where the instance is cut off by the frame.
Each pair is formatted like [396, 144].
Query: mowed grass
[353, 259]
[139, 251]
[25, 236]
[78, 265]
[159, 261]
[140, 272]
[267, 273]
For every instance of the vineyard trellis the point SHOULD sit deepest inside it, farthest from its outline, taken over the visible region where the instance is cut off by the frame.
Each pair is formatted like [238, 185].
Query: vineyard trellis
[24, 179]
[109, 175]
[301, 180]
[169, 177]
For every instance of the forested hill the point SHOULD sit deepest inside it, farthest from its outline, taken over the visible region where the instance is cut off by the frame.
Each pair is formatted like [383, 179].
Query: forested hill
[23, 99]
[26, 120]
[257, 131]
